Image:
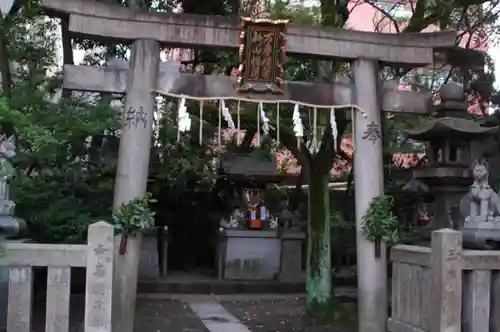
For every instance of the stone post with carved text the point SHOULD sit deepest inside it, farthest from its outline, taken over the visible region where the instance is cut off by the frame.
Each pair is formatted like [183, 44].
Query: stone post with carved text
[99, 287]
[133, 169]
[137, 128]
[369, 183]
[446, 281]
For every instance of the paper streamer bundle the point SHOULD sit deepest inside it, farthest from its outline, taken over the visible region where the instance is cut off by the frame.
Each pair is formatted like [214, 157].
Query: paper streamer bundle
[298, 126]
[263, 121]
[227, 116]
[183, 118]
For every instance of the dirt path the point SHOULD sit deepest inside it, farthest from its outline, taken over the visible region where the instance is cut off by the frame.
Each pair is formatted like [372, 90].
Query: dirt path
[285, 315]
[151, 316]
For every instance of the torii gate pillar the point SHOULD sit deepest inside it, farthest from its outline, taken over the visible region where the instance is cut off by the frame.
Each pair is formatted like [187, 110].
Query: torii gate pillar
[368, 184]
[137, 128]
[132, 170]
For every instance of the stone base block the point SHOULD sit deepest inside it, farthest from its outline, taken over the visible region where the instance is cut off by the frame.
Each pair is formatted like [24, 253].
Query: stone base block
[152, 263]
[291, 257]
[481, 235]
[249, 255]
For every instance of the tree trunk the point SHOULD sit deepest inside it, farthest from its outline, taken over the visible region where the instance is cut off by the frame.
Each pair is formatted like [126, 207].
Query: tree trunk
[297, 192]
[6, 76]
[319, 266]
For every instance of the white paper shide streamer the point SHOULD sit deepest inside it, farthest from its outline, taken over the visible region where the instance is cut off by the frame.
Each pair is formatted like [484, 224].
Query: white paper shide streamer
[264, 119]
[226, 115]
[183, 118]
[298, 126]
[333, 124]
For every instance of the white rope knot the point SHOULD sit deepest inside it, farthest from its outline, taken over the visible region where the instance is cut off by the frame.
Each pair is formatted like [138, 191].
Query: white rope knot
[226, 115]
[183, 118]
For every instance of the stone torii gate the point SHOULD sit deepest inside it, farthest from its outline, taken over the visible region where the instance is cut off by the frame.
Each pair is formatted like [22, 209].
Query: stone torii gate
[366, 50]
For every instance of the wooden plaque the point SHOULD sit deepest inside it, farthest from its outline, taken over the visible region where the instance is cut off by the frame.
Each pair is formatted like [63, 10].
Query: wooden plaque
[262, 55]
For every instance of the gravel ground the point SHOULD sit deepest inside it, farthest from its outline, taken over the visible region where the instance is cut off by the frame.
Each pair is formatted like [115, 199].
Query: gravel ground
[151, 316]
[166, 315]
[286, 315]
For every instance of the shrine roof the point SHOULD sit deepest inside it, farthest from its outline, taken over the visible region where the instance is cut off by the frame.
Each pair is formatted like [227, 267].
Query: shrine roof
[244, 167]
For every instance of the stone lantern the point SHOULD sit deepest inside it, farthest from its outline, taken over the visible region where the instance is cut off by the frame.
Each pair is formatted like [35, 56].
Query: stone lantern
[450, 134]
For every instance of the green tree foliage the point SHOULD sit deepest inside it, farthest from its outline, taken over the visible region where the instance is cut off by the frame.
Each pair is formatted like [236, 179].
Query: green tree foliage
[50, 185]
[68, 144]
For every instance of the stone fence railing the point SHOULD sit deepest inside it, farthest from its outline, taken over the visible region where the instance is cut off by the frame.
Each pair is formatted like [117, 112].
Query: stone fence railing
[445, 288]
[96, 256]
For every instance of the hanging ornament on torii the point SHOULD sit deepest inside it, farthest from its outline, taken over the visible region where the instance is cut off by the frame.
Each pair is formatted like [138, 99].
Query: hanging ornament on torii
[183, 118]
[262, 55]
[261, 72]
[5, 6]
[262, 121]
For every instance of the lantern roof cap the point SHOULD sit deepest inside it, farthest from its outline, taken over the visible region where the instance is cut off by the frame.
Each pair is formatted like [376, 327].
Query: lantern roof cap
[449, 127]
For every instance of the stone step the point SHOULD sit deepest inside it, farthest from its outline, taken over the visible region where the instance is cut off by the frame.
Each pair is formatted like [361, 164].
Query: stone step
[228, 287]
[176, 286]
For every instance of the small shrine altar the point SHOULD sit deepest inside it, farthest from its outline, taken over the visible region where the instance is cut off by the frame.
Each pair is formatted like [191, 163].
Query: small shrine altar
[250, 243]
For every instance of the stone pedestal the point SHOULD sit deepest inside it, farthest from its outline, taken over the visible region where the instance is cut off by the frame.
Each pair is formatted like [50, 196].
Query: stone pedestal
[481, 235]
[447, 185]
[249, 254]
[291, 256]
[152, 264]
[446, 206]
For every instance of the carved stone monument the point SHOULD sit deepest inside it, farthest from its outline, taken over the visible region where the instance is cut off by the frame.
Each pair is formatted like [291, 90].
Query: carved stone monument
[9, 225]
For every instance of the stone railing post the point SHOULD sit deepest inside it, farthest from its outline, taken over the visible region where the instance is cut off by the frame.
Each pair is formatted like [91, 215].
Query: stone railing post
[446, 281]
[99, 287]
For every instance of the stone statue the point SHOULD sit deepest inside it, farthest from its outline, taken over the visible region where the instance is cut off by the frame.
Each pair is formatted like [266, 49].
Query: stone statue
[7, 152]
[236, 220]
[481, 204]
[9, 225]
